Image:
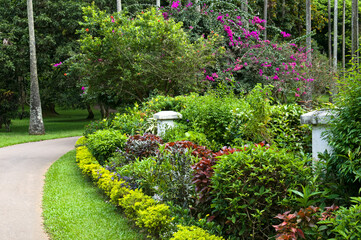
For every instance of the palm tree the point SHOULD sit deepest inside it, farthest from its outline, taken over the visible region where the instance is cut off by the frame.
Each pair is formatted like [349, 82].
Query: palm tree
[335, 22]
[354, 32]
[36, 125]
[119, 5]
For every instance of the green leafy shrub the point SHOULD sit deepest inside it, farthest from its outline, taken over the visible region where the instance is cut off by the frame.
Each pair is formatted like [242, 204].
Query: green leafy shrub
[347, 224]
[8, 107]
[248, 120]
[131, 122]
[286, 130]
[154, 218]
[128, 56]
[163, 103]
[210, 114]
[174, 175]
[95, 126]
[141, 174]
[193, 233]
[248, 187]
[344, 135]
[104, 142]
[167, 175]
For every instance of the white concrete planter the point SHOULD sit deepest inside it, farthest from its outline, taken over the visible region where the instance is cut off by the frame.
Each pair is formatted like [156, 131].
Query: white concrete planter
[320, 121]
[165, 120]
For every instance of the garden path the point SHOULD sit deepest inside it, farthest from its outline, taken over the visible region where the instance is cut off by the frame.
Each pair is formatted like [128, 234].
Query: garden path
[22, 170]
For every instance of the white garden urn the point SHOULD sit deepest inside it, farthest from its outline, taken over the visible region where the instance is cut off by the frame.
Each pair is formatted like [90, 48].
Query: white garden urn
[320, 121]
[165, 120]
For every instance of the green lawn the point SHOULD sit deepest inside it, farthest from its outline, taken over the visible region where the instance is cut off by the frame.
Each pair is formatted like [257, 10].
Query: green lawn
[74, 209]
[69, 123]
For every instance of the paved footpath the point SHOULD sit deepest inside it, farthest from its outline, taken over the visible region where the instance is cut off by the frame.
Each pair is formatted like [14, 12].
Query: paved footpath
[22, 170]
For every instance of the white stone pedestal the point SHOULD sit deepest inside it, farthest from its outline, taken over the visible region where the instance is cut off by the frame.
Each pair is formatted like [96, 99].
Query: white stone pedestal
[165, 120]
[319, 120]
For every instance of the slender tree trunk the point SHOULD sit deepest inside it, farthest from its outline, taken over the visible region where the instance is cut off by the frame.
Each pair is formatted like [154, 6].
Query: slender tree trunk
[329, 34]
[119, 5]
[308, 31]
[265, 8]
[36, 125]
[244, 8]
[354, 31]
[335, 35]
[22, 96]
[283, 9]
[90, 112]
[198, 8]
[343, 37]
[158, 3]
[309, 85]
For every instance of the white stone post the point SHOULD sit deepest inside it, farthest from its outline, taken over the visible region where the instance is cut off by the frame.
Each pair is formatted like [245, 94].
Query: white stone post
[320, 121]
[165, 120]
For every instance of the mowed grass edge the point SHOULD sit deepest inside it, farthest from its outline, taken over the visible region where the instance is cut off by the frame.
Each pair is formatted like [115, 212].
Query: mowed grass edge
[74, 209]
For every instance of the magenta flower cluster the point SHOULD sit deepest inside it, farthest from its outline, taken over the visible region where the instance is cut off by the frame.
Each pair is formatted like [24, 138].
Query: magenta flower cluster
[57, 64]
[175, 4]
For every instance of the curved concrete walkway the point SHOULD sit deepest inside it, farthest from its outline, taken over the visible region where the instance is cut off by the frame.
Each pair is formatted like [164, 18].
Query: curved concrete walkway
[22, 170]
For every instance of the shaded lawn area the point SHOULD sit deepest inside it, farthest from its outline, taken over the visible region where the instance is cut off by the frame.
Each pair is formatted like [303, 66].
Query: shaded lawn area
[68, 123]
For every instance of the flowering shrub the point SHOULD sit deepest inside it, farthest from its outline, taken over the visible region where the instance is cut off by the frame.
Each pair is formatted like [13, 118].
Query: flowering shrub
[249, 59]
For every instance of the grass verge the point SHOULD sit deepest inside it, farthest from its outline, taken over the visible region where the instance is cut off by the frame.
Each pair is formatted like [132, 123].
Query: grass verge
[69, 123]
[74, 209]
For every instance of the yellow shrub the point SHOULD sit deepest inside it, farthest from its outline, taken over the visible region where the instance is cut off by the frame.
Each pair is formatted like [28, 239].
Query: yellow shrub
[135, 201]
[118, 191]
[81, 141]
[155, 218]
[193, 233]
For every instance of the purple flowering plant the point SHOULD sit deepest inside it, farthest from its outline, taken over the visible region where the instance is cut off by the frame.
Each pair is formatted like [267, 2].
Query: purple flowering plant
[248, 58]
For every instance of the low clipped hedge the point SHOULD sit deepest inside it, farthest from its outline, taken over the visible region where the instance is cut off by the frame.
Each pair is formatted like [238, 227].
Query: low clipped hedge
[144, 210]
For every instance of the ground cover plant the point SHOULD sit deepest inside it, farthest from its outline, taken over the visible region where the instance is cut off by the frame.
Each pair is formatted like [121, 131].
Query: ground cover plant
[68, 123]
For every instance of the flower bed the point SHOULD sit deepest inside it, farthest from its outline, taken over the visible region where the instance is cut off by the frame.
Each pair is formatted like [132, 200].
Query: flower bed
[144, 210]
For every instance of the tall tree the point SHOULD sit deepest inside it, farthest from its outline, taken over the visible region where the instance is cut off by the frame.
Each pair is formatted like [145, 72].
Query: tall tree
[335, 35]
[119, 5]
[244, 8]
[265, 8]
[329, 34]
[343, 35]
[354, 31]
[308, 96]
[36, 125]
